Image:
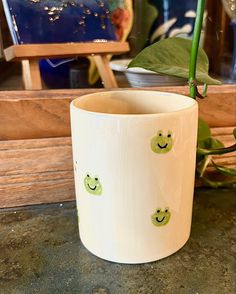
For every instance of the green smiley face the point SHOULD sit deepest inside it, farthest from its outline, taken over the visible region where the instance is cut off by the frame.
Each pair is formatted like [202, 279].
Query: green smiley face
[92, 185]
[161, 143]
[161, 217]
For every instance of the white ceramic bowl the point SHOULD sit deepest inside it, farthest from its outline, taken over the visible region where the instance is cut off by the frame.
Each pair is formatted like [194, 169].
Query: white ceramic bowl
[139, 77]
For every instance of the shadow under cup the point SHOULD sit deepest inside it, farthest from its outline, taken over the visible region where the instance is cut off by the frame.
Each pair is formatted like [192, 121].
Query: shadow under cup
[134, 154]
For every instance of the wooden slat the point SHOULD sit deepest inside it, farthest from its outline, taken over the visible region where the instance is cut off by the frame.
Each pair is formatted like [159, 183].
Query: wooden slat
[219, 107]
[225, 135]
[40, 170]
[39, 118]
[45, 114]
[38, 51]
[34, 144]
[31, 170]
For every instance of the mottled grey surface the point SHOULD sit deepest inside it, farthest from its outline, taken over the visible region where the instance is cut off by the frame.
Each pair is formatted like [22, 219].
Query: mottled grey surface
[40, 252]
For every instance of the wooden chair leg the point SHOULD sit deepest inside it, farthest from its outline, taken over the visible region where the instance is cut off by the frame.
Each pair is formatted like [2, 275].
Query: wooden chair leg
[105, 71]
[31, 75]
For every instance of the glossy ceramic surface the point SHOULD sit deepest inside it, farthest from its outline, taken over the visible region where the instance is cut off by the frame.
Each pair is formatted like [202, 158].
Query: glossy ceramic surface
[173, 19]
[138, 149]
[139, 77]
[53, 21]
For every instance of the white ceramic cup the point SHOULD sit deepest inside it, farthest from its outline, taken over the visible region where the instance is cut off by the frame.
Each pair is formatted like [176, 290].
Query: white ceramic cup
[134, 154]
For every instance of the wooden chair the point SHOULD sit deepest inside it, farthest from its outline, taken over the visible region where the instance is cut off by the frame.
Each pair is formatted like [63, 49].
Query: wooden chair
[30, 54]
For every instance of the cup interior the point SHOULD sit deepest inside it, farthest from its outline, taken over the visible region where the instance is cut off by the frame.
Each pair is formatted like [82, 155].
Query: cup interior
[131, 102]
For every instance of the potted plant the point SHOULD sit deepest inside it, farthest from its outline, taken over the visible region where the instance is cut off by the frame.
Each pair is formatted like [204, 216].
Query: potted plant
[184, 59]
[134, 154]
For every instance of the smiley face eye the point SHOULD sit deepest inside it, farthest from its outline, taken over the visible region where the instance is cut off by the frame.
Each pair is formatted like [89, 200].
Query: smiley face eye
[169, 135]
[88, 176]
[166, 210]
[160, 134]
[158, 211]
[96, 179]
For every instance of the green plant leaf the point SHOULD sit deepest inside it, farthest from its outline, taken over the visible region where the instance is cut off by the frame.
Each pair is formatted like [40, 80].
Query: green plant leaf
[214, 143]
[144, 16]
[206, 147]
[224, 170]
[204, 131]
[234, 133]
[199, 157]
[210, 143]
[171, 56]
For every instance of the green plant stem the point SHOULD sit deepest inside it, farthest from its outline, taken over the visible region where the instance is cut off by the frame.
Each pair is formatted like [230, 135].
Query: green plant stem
[202, 151]
[218, 184]
[203, 165]
[195, 46]
[224, 170]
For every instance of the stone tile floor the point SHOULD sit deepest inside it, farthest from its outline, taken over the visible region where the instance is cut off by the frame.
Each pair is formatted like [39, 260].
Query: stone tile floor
[40, 252]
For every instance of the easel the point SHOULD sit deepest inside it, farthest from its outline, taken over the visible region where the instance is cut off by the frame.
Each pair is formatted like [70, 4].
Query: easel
[30, 54]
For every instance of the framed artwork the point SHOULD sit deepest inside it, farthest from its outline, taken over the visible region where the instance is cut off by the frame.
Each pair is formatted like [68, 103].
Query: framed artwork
[63, 21]
[58, 21]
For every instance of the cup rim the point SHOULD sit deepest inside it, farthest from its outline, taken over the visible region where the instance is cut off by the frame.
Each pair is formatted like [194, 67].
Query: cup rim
[104, 114]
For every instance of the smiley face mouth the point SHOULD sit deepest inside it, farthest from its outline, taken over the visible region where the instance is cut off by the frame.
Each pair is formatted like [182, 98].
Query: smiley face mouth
[162, 147]
[160, 221]
[94, 188]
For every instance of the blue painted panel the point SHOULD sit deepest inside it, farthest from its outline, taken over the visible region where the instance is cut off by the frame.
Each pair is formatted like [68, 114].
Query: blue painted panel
[55, 21]
[178, 17]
